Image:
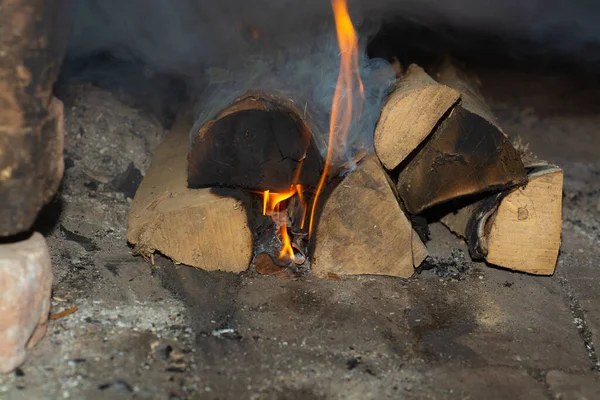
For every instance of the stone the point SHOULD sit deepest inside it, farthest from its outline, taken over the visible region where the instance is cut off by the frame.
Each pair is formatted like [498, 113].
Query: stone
[25, 285]
[32, 44]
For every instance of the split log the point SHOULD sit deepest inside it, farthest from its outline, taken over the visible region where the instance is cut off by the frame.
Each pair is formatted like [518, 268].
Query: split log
[363, 230]
[192, 226]
[518, 230]
[467, 154]
[410, 114]
[262, 141]
[33, 40]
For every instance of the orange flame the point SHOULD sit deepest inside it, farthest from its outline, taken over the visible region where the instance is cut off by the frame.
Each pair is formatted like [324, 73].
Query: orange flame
[341, 108]
[274, 203]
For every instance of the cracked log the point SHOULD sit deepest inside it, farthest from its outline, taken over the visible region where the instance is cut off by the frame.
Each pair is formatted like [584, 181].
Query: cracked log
[32, 43]
[363, 230]
[410, 114]
[196, 227]
[467, 154]
[262, 141]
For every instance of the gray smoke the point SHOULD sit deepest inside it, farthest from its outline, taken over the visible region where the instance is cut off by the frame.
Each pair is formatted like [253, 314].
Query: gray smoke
[185, 36]
[224, 48]
[306, 73]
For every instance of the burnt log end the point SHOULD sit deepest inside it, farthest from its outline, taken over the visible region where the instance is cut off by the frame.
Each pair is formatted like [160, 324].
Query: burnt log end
[260, 142]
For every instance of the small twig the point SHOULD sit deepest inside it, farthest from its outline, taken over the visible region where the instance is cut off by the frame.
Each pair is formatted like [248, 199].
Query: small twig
[64, 313]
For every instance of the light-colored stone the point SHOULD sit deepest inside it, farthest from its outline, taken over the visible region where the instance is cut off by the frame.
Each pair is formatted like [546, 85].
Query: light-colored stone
[25, 284]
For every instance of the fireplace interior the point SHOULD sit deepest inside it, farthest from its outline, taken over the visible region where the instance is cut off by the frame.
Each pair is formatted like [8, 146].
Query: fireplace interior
[333, 200]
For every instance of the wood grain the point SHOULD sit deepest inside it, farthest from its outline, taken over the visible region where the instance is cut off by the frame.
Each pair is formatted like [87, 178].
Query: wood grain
[410, 114]
[363, 230]
[525, 232]
[192, 226]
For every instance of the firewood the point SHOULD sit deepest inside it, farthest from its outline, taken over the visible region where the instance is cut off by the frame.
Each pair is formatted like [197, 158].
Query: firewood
[363, 230]
[518, 230]
[196, 227]
[410, 114]
[467, 154]
[262, 141]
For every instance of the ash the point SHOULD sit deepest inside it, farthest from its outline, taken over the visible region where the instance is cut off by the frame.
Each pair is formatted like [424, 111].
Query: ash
[453, 267]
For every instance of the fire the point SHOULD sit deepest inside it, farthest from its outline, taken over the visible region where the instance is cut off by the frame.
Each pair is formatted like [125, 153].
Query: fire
[275, 204]
[341, 108]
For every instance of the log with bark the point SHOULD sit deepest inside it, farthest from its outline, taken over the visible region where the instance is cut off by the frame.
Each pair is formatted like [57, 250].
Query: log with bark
[262, 141]
[196, 227]
[519, 229]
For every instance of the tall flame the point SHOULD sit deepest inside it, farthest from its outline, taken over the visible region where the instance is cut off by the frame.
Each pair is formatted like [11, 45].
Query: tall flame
[274, 203]
[343, 98]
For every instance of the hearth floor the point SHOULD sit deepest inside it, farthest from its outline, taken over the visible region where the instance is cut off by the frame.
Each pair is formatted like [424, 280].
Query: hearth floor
[167, 331]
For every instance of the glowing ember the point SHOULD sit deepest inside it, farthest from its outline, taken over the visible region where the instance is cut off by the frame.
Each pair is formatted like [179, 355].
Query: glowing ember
[275, 205]
[341, 108]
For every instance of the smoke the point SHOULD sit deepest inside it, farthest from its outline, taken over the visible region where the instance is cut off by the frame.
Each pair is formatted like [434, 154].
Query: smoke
[304, 72]
[185, 36]
[224, 48]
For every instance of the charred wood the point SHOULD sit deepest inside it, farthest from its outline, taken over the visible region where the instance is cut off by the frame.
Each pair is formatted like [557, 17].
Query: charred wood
[263, 141]
[467, 154]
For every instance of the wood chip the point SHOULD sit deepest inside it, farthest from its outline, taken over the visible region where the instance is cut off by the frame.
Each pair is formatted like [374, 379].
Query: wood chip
[266, 266]
[333, 276]
[64, 313]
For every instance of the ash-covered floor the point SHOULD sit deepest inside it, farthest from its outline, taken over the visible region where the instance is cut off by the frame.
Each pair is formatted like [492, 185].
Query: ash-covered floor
[460, 330]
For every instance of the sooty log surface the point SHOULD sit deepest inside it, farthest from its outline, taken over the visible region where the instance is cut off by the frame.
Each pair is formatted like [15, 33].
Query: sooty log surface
[466, 155]
[254, 149]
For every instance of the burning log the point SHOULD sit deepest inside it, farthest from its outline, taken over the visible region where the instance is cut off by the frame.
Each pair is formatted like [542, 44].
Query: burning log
[363, 230]
[518, 230]
[262, 141]
[467, 154]
[410, 114]
[193, 226]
